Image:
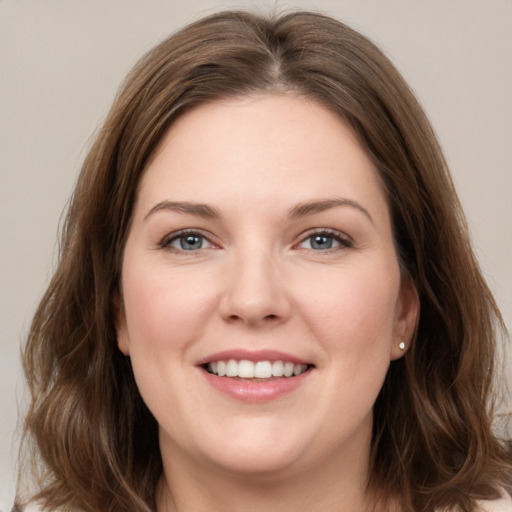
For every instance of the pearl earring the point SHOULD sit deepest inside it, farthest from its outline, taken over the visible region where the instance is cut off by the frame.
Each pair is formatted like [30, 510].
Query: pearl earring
[401, 345]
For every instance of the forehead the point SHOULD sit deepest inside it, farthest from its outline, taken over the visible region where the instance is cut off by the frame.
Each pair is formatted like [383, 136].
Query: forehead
[262, 148]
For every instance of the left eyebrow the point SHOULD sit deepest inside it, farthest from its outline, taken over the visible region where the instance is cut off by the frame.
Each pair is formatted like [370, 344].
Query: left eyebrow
[187, 207]
[312, 207]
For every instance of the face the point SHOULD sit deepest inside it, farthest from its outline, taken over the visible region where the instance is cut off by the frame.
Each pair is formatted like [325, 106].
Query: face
[261, 246]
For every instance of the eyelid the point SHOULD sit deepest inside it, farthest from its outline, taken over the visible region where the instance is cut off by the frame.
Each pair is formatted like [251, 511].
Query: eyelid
[345, 240]
[170, 237]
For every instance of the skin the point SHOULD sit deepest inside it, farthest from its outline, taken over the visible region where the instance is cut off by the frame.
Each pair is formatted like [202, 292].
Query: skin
[259, 282]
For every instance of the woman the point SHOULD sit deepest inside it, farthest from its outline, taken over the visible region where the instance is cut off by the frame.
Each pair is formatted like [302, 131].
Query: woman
[266, 297]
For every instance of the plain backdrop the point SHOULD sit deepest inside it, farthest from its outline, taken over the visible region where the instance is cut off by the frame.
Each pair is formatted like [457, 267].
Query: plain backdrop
[62, 61]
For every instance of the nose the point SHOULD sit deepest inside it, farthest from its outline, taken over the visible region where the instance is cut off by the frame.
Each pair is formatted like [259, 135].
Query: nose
[255, 292]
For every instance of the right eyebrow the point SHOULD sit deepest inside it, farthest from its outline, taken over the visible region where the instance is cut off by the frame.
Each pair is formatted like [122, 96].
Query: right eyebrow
[199, 209]
[313, 207]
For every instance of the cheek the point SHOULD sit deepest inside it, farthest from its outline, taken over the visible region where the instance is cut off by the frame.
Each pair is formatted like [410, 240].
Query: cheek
[164, 309]
[352, 313]
[166, 312]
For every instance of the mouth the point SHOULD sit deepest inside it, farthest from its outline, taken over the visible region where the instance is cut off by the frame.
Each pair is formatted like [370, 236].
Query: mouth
[256, 376]
[256, 371]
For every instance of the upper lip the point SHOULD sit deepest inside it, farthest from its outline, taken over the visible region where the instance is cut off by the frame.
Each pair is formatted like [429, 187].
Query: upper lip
[252, 355]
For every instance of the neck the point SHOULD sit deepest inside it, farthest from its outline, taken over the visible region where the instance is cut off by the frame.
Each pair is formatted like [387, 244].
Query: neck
[338, 483]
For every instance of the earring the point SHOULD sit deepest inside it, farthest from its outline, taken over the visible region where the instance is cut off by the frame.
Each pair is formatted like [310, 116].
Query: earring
[401, 345]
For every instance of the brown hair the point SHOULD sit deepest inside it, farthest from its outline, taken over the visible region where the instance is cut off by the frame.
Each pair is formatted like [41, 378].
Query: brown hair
[94, 438]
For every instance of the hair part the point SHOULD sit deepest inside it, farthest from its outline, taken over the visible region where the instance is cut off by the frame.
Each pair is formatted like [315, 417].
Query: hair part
[433, 445]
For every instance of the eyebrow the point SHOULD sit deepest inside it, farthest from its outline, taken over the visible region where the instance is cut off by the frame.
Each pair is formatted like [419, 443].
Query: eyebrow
[300, 210]
[312, 207]
[201, 210]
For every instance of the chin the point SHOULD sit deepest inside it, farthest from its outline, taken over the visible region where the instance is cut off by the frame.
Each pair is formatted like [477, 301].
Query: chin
[254, 462]
[255, 448]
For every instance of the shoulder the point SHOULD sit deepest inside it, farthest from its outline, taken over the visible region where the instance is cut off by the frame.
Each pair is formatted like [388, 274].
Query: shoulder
[29, 507]
[502, 505]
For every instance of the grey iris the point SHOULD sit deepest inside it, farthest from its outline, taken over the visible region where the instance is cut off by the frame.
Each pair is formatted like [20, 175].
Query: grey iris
[191, 242]
[321, 242]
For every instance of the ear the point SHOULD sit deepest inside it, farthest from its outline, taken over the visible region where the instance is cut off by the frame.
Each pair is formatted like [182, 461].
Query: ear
[120, 323]
[407, 315]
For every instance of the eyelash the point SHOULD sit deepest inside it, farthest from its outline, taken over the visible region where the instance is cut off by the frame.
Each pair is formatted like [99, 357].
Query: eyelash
[167, 240]
[344, 241]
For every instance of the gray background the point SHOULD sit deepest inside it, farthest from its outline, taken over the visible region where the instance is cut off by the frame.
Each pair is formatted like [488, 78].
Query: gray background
[62, 61]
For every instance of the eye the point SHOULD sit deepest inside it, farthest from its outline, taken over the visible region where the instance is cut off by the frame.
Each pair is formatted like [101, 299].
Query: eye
[187, 241]
[324, 241]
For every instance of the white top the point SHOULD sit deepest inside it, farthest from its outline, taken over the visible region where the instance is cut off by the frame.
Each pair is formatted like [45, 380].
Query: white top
[503, 505]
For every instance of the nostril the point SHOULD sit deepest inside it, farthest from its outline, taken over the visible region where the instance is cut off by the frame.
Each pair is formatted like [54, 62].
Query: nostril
[266, 318]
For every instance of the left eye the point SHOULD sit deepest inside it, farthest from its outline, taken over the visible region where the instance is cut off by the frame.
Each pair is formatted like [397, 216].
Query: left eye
[188, 242]
[323, 242]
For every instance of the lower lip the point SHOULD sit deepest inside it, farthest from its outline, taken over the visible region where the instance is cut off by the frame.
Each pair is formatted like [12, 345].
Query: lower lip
[254, 391]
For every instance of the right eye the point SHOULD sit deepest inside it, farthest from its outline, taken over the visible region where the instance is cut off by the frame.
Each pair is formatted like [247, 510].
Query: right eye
[189, 241]
[325, 240]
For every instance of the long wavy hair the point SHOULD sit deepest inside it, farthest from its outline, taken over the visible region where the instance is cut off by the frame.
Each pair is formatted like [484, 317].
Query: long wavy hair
[94, 444]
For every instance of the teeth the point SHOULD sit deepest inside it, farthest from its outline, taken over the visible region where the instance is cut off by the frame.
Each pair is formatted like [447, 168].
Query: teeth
[232, 368]
[297, 369]
[278, 368]
[263, 370]
[260, 370]
[245, 369]
[288, 369]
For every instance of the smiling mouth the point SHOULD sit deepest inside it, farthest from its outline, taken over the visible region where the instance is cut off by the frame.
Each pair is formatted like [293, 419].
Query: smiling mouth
[257, 371]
